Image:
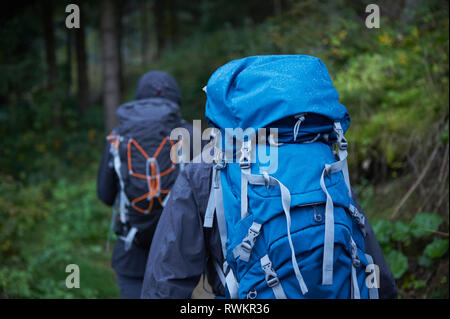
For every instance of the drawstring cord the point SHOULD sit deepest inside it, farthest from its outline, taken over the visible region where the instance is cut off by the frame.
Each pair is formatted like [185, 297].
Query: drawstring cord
[300, 118]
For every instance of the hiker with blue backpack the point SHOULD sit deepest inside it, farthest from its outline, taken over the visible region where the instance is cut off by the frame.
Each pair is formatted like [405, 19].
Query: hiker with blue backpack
[291, 228]
[137, 172]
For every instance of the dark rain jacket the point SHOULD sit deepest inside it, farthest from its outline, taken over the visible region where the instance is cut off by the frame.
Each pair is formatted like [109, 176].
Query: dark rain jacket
[183, 249]
[155, 88]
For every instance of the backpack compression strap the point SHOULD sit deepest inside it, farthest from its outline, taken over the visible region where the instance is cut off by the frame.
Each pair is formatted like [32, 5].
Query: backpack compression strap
[268, 180]
[215, 205]
[152, 174]
[341, 165]
[373, 288]
[271, 278]
[354, 291]
[114, 149]
[342, 154]
[123, 199]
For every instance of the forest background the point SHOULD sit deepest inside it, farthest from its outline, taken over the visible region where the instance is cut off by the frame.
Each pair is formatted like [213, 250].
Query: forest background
[60, 87]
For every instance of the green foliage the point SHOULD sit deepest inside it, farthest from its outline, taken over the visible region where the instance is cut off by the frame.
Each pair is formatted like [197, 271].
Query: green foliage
[394, 81]
[47, 226]
[423, 224]
[434, 250]
[410, 245]
[401, 232]
[383, 230]
[388, 78]
[398, 263]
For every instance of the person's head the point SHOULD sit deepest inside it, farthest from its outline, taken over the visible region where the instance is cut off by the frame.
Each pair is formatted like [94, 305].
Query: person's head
[158, 84]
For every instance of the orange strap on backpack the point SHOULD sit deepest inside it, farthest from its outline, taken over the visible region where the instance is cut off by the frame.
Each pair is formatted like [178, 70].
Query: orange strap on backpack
[152, 176]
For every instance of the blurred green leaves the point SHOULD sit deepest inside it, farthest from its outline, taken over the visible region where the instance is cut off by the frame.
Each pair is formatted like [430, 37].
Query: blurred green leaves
[398, 263]
[418, 243]
[394, 81]
[44, 227]
[434, 250]
[424, 224]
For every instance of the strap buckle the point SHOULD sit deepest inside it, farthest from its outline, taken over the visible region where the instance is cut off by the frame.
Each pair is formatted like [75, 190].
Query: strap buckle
[271, 276]
[272, 280]
[249, 241]
[244, 160]
[244, 249]
[244, 164]
[341, 140]
[343, 145]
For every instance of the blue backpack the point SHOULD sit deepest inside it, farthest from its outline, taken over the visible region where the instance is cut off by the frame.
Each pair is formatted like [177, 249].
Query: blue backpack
[288, 225]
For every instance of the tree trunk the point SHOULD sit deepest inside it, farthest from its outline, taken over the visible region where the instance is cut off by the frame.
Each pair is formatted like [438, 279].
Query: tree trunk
[173, 21]
[145, 33]
[50, 55]
[82, 66]
[49, 38]
[110, 65]
[158, 8]
[277, 7]
[119, 22]
[69, 62]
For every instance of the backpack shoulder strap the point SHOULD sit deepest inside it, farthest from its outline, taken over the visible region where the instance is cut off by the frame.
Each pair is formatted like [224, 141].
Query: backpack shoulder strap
[215, 206]
[115, 140]
[123, 199]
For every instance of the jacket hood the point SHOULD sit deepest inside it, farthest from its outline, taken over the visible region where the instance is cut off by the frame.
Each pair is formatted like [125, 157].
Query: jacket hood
[152, 108]
[158, 84]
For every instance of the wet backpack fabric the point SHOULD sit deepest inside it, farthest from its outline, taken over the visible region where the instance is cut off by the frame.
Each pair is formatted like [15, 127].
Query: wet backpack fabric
[294, 231]
[141, 151]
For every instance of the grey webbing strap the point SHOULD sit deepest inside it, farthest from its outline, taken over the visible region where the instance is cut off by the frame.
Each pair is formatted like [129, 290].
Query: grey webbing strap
[123, 197]
[261, 180]
[341, 165]
[244, 192]
[211, 207]
[215, 181]
[129, 238]
[342, 153]
[355, 293]
[227, 279]
[164, 202]
[220, 212]
[180, 156]
[115, 213]
[286, 203]
[327, 265]
[373, 291]
[244, 163]
[345, 172]
[328, 249]
[360, 219]
[271, 278]
[232, 285]
[215, 205]
[123, 206]
[244, 249]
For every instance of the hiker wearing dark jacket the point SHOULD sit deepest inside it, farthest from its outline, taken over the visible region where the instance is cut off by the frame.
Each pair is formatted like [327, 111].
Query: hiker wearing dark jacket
[216, 224]
[154, 89]
[185, 249]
